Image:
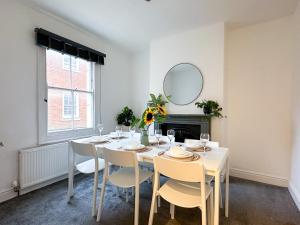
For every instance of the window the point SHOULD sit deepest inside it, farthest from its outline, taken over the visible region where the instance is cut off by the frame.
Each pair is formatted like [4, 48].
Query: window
[67, 105]
[74, 62]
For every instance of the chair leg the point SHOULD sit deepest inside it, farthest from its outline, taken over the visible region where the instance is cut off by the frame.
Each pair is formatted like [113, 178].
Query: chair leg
[70, 186]
[101, 198]
[153, 208]
[221, 197]
[211, 208]
[95, 192]
[208, 211]
[172, 211]
[127, 194]
[158, 197]
[155, 204]
[71, 161]
[204, 215]
[136, 205]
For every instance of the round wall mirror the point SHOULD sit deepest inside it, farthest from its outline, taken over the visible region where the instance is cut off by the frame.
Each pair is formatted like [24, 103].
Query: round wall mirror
[183, 84]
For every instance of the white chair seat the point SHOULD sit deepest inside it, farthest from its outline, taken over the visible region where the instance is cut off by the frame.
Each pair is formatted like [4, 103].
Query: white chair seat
[184, 194]
[125, 177]
[89, 166]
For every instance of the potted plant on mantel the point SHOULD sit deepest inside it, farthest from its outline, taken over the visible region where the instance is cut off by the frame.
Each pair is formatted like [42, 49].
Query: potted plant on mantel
[126, 117]
[210, 107]
[155, 111]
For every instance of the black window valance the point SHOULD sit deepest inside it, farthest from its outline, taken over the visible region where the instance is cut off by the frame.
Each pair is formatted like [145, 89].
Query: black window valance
[53, 41]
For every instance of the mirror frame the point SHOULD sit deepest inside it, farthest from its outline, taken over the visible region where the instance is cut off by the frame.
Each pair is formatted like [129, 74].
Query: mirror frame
[199, 91]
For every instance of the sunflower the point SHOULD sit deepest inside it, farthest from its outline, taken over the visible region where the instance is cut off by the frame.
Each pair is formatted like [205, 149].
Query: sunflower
[149, 116]
[162, 110]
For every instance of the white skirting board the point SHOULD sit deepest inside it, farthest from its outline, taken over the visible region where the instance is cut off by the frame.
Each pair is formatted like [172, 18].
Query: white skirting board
[7, 194]
[295, 194]
[259, 177]
[43, 184]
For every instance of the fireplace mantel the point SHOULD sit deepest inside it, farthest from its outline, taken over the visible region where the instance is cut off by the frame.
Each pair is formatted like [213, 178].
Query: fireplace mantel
[191, 125]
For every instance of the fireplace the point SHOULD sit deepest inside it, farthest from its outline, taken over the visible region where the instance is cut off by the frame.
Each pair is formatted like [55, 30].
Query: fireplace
[186, 126]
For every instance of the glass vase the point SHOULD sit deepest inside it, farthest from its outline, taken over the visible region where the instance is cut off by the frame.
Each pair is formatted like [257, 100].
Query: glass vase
[144, 137]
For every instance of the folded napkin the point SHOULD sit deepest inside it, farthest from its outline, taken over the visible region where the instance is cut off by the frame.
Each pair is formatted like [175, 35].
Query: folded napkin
[190, 143]
[177, 150]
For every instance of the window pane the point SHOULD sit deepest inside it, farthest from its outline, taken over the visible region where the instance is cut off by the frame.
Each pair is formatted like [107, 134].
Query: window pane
[58, 69]
[59, 110]
[85, 111]
[82, 74]
[68, 101]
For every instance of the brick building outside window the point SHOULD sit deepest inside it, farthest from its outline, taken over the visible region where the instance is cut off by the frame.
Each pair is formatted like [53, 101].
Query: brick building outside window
[70, 92]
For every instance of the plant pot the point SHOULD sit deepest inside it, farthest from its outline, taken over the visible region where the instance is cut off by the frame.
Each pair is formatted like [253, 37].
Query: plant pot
[207, 110]
[144, 137]
[125, 128]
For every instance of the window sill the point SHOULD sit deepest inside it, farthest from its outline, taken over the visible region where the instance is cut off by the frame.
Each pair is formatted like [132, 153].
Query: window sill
[62, 136]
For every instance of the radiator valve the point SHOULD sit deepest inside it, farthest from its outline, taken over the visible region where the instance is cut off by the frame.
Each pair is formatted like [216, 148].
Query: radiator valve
[15, 186]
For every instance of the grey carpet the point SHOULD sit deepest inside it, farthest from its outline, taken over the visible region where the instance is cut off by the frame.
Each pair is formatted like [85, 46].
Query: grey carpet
[251, 203]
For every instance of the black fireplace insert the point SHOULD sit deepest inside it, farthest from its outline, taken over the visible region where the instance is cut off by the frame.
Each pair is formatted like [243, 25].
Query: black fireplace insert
[186, 126]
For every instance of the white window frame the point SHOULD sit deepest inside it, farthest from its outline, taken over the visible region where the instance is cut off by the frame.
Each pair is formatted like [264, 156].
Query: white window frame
[67, 63]
[45, 137]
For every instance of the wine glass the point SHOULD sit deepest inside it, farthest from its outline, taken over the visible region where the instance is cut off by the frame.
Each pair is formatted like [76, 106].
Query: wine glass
[132, 131]
[118, 130]
[204, 139]
[100, 127]
[171, 135]
[158, 135]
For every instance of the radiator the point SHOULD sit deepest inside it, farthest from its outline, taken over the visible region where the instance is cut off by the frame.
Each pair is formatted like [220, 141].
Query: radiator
[41, 164]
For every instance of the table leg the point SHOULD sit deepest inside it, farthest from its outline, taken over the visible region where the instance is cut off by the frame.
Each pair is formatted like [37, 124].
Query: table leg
[70, 172]
[217, 198]
[227, 189]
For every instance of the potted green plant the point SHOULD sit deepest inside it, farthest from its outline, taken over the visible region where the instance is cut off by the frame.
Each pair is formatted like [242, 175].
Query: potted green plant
[126, 117]
[210, 107]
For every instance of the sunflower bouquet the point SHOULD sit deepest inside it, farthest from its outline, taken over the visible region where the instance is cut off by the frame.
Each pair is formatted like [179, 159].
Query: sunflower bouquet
[155, 112]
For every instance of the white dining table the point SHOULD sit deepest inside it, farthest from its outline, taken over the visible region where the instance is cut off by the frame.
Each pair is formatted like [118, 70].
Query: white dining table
[214, 161]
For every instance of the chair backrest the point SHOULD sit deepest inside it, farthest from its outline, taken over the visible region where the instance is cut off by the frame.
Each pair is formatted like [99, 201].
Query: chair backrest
[211, 144]
[84, 149]
[120, 158]
[183, 171]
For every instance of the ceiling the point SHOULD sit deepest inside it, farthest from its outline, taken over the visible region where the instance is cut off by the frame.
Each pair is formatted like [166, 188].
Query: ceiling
[134, 23]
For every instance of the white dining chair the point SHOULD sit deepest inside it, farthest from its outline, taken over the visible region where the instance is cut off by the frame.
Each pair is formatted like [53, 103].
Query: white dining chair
[210, 179]
[186, 187]
[128, 176]
[92, 165]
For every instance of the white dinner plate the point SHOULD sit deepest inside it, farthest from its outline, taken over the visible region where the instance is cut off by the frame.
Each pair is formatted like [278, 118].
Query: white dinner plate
[99, 139]
[181, 155]
[134, 147]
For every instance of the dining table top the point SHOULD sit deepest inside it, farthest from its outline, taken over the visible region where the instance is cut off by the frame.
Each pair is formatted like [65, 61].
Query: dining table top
[213, 161]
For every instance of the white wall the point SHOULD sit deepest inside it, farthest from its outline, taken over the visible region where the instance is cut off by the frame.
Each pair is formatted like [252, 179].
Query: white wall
[294, 185]
[259, 81]
[140, 82]
[18, 80]
[203, 47]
